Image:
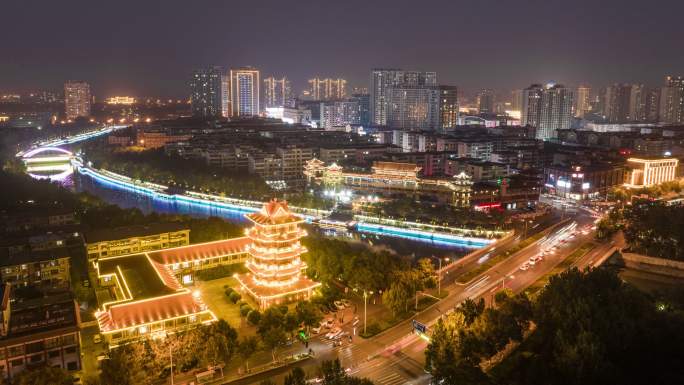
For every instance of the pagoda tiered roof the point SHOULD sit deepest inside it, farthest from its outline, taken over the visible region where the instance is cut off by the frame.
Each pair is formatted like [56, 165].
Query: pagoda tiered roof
[274, 212]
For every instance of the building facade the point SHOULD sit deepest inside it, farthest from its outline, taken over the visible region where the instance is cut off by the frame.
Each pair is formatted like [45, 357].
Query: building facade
[134, 239]
[547, 108]
[39, 331]
[327, 89]
[673, 100]
[582, 101]
[485, 101]
[77, 99]
[208, 93]
[384, 79]
[648, 172]
[448, 107]
[278, 93]
[38, 268]
[245, 91]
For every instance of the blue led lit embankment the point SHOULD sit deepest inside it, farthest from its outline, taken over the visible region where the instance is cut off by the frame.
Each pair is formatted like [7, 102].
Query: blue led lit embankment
[425, 236]
[122, 183]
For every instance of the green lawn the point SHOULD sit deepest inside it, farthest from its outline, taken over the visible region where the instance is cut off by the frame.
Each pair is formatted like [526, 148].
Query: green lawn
[213, 295]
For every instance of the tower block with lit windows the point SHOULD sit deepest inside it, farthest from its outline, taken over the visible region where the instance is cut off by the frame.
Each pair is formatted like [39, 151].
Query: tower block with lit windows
[274, 263]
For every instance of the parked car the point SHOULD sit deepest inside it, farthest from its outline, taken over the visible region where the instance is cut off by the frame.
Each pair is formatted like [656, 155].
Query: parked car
[339, 305]
[525, 266]
[346, 302]
[97, 338]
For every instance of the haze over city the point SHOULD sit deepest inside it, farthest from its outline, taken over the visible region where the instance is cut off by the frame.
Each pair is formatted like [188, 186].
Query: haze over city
[151, 47]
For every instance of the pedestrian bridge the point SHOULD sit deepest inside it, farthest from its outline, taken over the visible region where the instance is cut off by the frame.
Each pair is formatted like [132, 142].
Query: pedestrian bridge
[52, 163]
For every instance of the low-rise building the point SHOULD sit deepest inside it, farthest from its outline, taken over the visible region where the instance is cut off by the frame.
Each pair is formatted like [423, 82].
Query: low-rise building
[135, 239]
[582, 182]
[38, 331]
[479, 170]
[643, 172]
[41, 268]
[148, 296]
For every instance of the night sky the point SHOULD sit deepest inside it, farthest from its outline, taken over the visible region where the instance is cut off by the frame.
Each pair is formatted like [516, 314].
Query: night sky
[147, 47]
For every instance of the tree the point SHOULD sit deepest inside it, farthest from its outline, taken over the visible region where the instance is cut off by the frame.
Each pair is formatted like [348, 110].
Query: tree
[272, 338]
[333, 374]
[404, 287]
[246, 349]
[307, 314]
[471, 309]
[44, 375]
[295, 377]
[428, 276]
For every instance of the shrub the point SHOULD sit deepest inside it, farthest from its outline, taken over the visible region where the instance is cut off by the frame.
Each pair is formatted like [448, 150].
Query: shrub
[229, 291]
[283, 309]
[241, 303]
[234, 296]
[245, 310]
[254, 317]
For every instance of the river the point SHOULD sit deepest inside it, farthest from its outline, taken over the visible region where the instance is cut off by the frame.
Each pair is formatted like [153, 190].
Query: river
[130, 199]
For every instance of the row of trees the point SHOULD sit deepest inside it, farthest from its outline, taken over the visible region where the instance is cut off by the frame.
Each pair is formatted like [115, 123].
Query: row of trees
[655, 229]
[331, 373]
[472, 334]
[156, 166]
[355, 264]
[589, 328]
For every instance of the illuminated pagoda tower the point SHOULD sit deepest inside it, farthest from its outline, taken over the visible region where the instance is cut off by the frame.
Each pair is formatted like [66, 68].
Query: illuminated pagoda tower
[274, 263]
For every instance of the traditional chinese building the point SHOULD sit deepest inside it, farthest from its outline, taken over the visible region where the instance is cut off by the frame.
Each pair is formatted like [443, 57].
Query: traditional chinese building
[388, 178]
[274, 264]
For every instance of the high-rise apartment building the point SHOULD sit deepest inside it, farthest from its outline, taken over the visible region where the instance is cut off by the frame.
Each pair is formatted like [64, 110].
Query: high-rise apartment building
[448, 107]
[340, 114]
[209, 94]
[582, 101]
[363, 100]
[413, 107]
[548, 108]
[76, 99]
[652, 105]
[672, 100]
[624, 103]
[327, 89]
[382, 80]
[244, 91]
[485, 101]
[278, 93]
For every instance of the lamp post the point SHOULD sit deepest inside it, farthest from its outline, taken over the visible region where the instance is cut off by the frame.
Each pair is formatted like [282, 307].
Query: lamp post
[439, 274]
[365, 304]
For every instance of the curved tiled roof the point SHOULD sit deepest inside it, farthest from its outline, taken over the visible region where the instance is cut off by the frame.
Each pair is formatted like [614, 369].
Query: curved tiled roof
[131, 314]
[200, 251]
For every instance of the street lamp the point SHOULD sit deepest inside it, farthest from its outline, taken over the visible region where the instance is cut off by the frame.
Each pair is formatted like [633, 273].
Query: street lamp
[365, 304]
[439, 274]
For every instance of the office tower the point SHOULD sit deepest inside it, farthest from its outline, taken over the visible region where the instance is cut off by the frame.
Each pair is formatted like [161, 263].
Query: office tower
[384, 79]
[582, 101]
[244, 91]
[448, 107]
[225, 95]
[76, 99]
[485, 101]
[208, 93]
[278, 93]
[673, 100]
[548, 108]
[363, 100]
[328, 89]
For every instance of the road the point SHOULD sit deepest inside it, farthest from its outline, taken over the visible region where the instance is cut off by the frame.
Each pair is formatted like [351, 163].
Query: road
[396, 355]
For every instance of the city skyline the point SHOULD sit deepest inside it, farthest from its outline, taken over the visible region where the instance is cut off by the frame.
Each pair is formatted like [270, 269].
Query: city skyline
[143, 56]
